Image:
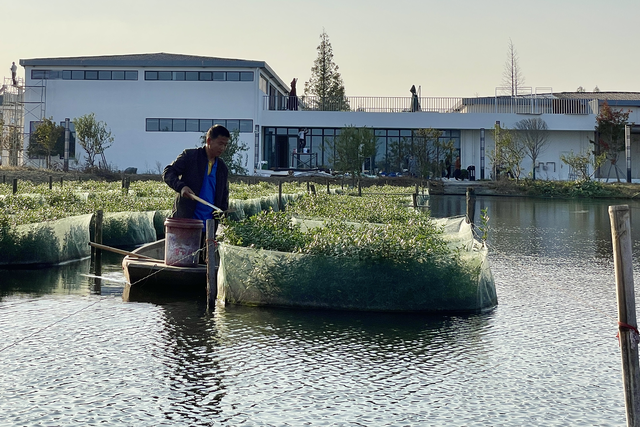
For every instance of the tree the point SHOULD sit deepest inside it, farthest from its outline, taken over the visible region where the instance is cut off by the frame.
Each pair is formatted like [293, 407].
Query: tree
[425, 150]
[512, 75]
[233, 155]
[44, 138]
[10, 140]
[533, 137]
[580, 89]
[93, 137]
[351, 148]
[580, 163]
[325, 83]
[610, 125]
[508, 153]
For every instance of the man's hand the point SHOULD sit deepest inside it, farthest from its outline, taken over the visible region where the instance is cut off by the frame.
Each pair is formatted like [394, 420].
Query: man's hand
[187, 192]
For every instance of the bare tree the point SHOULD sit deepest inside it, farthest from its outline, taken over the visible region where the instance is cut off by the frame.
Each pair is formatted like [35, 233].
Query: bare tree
[512, 76]
[533, 135]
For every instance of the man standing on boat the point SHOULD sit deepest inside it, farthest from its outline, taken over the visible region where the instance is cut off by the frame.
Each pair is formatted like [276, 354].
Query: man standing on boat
[200, 172]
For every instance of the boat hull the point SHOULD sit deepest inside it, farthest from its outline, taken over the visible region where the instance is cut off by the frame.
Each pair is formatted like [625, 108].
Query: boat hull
[153, 278]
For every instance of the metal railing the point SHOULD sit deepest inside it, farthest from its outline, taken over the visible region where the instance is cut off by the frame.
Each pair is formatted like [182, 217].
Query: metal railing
[369, 104]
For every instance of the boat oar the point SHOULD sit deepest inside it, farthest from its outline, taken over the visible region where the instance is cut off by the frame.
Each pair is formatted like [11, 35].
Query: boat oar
[204, 202]
[123, 252]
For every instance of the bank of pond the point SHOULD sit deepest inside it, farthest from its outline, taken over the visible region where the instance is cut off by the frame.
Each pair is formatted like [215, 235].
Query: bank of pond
[325, 250]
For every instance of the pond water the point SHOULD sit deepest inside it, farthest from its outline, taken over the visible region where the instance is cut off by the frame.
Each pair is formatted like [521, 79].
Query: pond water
[546, 356]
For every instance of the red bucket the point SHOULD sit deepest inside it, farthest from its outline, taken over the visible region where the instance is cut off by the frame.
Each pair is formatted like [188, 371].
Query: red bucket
[182, 241]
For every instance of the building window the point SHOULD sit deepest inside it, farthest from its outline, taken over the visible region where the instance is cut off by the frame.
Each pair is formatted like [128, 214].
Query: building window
[84, 75]
[197, 125]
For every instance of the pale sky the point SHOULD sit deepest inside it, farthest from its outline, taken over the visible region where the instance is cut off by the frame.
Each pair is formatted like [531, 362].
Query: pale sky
[446, 47]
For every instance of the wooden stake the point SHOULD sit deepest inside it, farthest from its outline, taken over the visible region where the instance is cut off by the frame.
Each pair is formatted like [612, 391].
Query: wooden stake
[212, 279]
[623, 256]
[471, 205]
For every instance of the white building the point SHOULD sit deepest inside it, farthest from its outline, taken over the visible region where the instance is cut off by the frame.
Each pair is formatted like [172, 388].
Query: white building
[156, 105]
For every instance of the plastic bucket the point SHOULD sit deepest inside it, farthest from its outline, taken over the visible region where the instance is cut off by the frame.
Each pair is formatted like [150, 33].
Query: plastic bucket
[182, 239]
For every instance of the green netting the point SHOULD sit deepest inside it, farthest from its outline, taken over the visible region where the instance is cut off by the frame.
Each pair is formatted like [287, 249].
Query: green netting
[158, 222]
[241, 209]
[50, 242]
[259, 277]
[128, 228]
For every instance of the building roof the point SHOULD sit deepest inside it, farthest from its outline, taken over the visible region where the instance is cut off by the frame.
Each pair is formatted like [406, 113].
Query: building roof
[160, 59]
[622, 99]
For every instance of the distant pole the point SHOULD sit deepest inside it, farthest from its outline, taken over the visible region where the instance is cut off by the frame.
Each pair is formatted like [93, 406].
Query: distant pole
[66, 144]
[627, 143]
[15, 185]
[482, 153]
[212, 282]
[359, 187]
[97, 238]
[328, 188]
[471, 205]
[50, 182]
[280, 207]
[628, 332]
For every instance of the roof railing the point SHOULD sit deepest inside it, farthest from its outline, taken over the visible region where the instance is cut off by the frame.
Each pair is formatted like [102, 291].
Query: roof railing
[444, 105]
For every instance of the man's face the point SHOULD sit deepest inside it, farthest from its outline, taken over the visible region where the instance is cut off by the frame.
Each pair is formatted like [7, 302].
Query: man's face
[217, 146]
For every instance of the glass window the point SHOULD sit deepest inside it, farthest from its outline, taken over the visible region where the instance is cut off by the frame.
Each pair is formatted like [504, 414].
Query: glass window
[91, 75]
[328, 132]
[246, 126]
[117, 75]
[104, 75]
[178, 125]
[315, 132]
[263, 84]
[151, 75]
[55, 75]
[220, 122]
[206, 75]
[233, 76]
[219, 76]
[193, 125]
[66, 75]
[77, 75]
[165, 75]
[179, 76]
[233, 125]
[405, 132]
[38, 74]
[246, 76]
[281, 131]
[166, 125]
[393, 132]
[153, 125]
[192, 76]
[293, 131]
[131, 75]
[205, 125]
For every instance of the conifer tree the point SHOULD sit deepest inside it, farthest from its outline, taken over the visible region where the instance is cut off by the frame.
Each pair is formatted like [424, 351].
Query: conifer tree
[325, 85]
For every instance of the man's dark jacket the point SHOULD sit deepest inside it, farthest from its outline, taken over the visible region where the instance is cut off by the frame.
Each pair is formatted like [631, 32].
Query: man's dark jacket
[189, 170]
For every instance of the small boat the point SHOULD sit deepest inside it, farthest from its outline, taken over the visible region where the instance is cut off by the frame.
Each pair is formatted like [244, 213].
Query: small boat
[151, 277]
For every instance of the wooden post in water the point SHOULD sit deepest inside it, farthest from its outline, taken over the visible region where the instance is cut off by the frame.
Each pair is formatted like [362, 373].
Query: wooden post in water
[97, 263]
[280, 207]
[4, 179]
[15, 185]
[313, 189]
[471, 205]
[328, 189]
[308, 187]
[212, 258]
[359, 187]
[628, 332]
[50, 182]
[61, 182]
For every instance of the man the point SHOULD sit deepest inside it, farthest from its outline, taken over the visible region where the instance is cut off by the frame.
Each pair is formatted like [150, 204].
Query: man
[14, 69]
[200, 172]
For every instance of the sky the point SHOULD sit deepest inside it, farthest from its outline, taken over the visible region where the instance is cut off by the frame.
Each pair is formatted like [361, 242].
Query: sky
[446, 48]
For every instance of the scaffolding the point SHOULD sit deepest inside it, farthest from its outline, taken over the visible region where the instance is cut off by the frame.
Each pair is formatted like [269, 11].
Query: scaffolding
[20, 105]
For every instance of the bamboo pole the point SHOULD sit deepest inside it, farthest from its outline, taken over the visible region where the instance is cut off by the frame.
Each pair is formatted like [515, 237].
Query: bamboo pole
[471, 205]
[123, 252]
[15, 185]
[50, 182]
[212, 282]
[628, 332]
[280, 207]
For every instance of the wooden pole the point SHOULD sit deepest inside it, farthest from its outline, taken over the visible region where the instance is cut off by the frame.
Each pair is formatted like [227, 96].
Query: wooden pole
[359, 188]
[313, 189]
[15, 185]
[50, 182]
[212, 258]
[471, 205]
[97, 266]
[328, 189]
[628, 332]
[123, 252]
[280, 195]
[61, 182]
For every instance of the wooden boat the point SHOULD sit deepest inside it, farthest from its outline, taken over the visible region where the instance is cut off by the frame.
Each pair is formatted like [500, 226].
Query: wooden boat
[152, 277]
